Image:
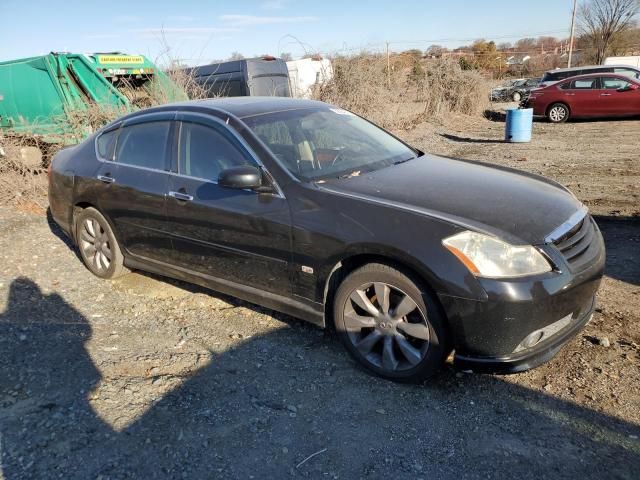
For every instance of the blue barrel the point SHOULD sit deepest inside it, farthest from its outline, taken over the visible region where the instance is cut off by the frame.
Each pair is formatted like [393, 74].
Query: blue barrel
[519, 125]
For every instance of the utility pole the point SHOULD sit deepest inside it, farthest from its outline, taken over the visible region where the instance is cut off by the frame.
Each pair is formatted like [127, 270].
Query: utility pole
[388, 69]
[573, 27]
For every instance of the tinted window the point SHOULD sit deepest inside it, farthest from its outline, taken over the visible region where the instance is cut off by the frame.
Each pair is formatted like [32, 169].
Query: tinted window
[222, 86]
[270, 86]
[206, 151]
[613, 83]
[560, 75]
[106, 142]
[143, 145]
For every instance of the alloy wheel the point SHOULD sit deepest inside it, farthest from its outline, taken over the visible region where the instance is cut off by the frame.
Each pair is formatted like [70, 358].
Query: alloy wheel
[95, 244]
[557, 114]
[386, 327]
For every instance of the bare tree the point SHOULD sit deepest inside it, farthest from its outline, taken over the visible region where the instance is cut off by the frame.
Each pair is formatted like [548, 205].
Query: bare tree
[601, 21]
[436, 51]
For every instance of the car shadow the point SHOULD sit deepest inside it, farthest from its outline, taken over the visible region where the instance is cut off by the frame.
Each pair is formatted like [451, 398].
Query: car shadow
[622, 240]
[282, 404]
[456, 138]
[59, 233]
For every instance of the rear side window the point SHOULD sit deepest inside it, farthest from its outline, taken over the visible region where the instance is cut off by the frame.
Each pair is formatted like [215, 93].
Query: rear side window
[106, 143]
[552, 77]
[144, 145]
[219, 86]
[206, 151]
[586, 84]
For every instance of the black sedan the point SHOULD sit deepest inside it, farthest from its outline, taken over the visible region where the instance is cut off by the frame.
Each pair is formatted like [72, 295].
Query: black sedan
[515, 90]
[311, 210]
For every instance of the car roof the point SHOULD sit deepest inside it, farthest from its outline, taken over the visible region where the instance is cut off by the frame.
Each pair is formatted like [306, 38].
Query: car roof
[240, 107]
[587, 67]
[593, 75]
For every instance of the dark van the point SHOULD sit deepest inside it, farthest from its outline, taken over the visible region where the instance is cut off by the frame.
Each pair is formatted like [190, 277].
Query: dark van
[265, 76]
[558, 74]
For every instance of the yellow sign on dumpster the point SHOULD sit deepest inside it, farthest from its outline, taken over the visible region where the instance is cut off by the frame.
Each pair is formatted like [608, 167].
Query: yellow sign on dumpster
[120, 59]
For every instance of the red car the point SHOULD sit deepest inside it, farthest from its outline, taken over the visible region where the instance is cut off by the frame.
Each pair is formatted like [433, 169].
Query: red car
[596, 95]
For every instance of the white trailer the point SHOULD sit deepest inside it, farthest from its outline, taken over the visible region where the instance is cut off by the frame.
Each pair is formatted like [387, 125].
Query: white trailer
[307, 74]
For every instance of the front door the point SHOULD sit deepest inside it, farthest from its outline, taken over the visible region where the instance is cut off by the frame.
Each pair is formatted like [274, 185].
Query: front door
[618, 98]
[237, 235]
[133, 183]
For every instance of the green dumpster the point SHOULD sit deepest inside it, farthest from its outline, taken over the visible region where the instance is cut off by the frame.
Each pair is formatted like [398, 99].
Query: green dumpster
[43, 95]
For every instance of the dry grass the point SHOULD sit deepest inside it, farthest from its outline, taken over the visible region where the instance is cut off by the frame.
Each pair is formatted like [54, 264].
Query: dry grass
[412, 93]
[22, 171]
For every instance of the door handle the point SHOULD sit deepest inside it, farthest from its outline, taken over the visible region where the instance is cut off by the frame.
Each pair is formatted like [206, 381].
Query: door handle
[569, 94]
[106, 178]
[181, 196]
[605, 94]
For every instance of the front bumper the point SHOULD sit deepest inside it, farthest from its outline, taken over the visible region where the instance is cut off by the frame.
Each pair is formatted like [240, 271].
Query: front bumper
[527, 359]
[491, 335]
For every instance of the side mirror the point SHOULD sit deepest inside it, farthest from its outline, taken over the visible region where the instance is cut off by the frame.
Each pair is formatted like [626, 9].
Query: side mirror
[243, 177]
[631, 86]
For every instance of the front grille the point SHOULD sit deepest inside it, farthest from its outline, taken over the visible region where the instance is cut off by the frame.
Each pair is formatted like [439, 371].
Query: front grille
[574, 244]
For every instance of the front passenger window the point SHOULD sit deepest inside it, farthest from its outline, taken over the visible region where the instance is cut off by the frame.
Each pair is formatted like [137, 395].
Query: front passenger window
[613, 83]
[206, 151]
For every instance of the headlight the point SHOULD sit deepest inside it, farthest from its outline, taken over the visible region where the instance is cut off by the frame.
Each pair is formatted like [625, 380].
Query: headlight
[487, 256]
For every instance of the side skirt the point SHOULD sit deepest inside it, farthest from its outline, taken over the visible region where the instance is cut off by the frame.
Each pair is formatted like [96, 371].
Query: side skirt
[311, 312]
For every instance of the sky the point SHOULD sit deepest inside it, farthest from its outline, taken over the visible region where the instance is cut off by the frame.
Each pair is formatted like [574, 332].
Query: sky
[199, 31]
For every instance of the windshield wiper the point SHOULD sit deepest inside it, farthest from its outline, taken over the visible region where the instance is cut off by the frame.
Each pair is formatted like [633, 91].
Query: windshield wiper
[403, 161]
[354, 173]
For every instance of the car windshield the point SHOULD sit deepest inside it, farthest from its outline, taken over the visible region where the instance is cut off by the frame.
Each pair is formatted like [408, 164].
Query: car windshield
[519, 83]
[326, 142]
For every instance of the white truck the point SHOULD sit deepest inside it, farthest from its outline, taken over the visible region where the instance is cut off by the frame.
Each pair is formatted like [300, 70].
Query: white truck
[633, 61]
[307, 74]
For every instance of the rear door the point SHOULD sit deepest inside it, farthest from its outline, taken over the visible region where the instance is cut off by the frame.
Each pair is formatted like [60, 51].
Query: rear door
[617, 98]
[582, 96]
[135, 181]
[237, 235]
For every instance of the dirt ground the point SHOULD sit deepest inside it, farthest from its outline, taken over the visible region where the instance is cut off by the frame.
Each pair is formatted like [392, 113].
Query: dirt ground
[148, 378]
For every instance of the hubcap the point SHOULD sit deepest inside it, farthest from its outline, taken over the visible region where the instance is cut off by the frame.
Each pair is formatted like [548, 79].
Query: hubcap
[386, 326]
[95, 246]
[557, 114]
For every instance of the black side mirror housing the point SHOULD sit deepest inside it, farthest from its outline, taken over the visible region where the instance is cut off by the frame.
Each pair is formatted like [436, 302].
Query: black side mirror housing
[242, 177]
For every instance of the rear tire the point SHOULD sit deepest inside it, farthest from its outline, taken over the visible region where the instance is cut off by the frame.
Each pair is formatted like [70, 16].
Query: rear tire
[516, 96]
[558, 113]
[390, 324]
[98, 246]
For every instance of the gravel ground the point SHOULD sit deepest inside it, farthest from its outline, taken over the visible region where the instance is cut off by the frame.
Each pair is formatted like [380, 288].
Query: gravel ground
[148, 378]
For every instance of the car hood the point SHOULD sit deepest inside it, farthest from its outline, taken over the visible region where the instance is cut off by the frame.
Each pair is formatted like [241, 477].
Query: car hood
[519, 207]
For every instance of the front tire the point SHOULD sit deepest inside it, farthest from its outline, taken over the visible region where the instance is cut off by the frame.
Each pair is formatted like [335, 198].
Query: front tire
[389, 324]
[98, 246]
[558, 113]
[517, 96]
